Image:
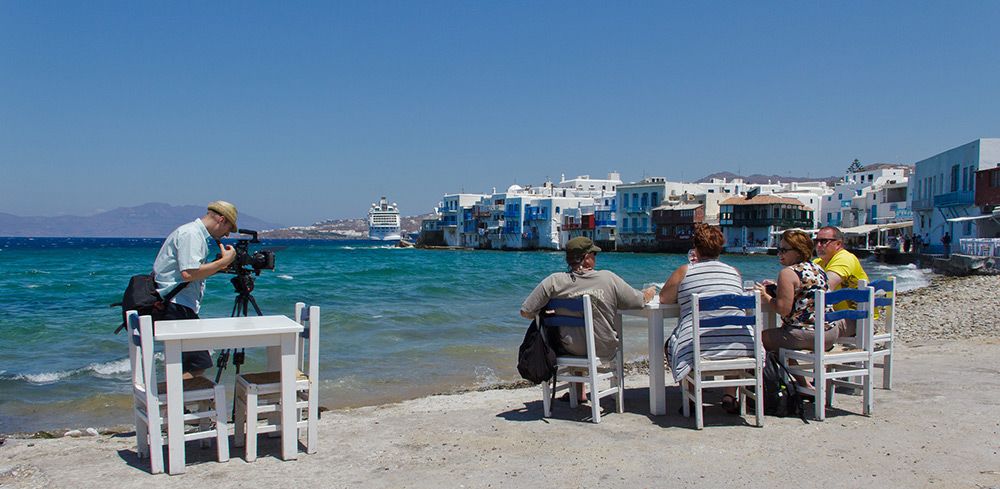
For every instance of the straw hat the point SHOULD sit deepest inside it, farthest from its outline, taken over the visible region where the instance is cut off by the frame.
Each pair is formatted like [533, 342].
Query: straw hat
[227, 210]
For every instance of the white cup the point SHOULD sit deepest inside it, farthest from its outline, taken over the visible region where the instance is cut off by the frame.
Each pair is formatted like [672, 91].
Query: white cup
[748, 285]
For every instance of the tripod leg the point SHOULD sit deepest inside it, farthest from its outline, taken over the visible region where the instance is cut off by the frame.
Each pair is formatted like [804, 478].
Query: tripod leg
[255, 306]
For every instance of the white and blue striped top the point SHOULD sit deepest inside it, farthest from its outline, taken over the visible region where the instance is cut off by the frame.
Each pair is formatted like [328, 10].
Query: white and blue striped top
[707, 278]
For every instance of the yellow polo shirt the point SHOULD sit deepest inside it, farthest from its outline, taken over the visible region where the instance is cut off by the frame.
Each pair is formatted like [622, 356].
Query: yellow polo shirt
[845, 264]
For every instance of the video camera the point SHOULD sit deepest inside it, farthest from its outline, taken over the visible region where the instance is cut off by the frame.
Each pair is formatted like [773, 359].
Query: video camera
[257, 261]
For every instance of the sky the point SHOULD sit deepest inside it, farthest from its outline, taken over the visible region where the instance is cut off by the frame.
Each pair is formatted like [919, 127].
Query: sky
[303, 111]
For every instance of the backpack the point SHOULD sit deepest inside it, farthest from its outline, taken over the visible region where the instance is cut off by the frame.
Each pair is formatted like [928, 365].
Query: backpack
[536, 361]
[780, 397]
[141, 296]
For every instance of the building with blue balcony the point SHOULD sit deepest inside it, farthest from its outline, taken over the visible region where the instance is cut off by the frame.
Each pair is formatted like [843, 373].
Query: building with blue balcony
[943, 187]
[456, 217]
[636, 201]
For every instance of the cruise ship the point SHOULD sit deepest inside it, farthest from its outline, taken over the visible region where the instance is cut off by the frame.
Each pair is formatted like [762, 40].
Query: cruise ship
[383, 221]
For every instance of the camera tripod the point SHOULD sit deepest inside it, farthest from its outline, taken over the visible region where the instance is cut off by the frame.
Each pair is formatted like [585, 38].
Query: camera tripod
[243, 283]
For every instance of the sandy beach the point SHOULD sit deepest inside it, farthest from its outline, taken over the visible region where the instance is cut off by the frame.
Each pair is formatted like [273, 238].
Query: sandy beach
[938, 427]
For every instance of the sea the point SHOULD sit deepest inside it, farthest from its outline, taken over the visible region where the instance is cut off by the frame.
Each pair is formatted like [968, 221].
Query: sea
[397, 323]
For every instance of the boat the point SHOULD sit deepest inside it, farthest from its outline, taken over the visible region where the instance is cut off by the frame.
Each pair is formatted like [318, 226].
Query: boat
[383, 221]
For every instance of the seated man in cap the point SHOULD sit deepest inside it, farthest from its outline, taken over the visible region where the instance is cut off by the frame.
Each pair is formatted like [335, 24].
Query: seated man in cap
[608, 293]
[183, 258]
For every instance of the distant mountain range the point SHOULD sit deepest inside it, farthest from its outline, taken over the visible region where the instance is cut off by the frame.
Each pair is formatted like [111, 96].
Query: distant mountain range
[153, 220]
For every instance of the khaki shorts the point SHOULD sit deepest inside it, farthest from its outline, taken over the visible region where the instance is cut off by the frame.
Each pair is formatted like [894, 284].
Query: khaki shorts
[803, 339]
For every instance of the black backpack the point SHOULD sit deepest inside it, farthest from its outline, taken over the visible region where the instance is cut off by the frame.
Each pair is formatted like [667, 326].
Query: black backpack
[141, 296]
[780, 397]
[536, 361]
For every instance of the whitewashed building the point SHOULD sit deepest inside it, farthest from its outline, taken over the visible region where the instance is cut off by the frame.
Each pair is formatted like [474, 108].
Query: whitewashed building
[943, 187]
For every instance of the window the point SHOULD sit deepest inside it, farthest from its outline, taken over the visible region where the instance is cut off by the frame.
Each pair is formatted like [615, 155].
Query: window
[635, 201]
[655, 200]
[645, 200]
[557, 209]
[954, 178]
[995, 178]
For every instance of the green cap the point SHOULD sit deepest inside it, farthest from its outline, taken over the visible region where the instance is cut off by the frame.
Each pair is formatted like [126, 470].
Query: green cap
[580, 246]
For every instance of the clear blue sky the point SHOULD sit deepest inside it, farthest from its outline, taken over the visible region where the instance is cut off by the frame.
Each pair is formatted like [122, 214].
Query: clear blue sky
[301, 111]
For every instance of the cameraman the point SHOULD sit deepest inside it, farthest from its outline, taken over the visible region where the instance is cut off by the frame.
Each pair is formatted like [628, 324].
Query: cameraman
[184, 258]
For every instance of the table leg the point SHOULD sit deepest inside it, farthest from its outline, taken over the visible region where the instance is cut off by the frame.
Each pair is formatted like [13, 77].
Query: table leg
[175, 406]
[657, 389]
[289, 428]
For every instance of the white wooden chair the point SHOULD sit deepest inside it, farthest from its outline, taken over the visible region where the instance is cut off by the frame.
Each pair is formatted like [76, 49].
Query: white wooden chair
[743, 373]
[837, 367]
[259, 393]
[204, 401]
[577, 313]
[885, 302]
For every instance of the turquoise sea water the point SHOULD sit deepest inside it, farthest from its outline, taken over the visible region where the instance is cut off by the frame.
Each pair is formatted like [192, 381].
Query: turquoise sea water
[396, 323]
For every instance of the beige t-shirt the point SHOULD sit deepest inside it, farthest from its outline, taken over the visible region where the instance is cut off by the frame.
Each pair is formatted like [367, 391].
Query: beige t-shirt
[608, 293]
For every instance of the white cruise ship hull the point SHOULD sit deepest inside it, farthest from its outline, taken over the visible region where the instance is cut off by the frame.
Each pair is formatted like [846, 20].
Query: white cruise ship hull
[387, 235]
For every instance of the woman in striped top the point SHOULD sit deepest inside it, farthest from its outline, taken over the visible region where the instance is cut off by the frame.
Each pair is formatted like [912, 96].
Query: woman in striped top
[706, 275]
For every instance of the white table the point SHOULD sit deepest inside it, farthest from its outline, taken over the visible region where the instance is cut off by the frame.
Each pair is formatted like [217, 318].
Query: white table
[655, 313]
[278, 333]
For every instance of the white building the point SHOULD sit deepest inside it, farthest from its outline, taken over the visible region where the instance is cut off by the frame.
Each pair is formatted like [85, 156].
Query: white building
[838, 207]
[635, 204]
[455, 213]
[943, 187]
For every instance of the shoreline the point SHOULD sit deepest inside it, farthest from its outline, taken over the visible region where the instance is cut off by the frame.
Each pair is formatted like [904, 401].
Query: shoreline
[916, 305]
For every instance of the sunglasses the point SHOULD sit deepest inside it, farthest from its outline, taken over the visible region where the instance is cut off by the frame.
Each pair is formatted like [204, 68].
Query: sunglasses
[823, 240]
[782, 251]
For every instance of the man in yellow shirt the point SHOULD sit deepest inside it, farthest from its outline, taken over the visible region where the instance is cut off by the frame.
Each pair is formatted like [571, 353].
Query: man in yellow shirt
[843, 269]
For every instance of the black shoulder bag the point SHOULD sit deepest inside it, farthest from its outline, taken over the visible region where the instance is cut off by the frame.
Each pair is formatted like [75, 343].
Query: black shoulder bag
[141, 296]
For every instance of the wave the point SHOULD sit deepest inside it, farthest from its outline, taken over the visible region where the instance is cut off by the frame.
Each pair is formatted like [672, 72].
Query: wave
[908, 277]
[113, 368]
[284, 276]
[373, 247]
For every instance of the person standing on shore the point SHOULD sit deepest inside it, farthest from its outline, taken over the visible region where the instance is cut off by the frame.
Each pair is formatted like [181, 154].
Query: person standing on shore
[183, 258]
[843, 269]
[946, 241]
[608, 293]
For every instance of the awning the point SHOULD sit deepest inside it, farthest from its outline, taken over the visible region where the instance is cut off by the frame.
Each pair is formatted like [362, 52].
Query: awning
[971, 218]
[810, 232]
[896, 225]
[862, 229]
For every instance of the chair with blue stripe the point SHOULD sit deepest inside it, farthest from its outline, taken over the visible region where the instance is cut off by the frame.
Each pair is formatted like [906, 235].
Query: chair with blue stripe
[744, 372]
[885, 304]
[570, 370]
[838, 367]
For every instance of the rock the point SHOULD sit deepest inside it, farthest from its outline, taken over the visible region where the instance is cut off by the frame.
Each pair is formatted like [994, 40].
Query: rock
[74, 433]
[92, 432]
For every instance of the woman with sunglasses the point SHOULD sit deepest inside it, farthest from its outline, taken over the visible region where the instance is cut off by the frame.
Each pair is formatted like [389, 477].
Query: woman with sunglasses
[793, 298]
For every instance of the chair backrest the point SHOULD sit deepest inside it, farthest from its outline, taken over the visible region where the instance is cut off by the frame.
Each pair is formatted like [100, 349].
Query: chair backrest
[569, 313]
[862, 298]
[885, 301]
[140, 353]
[308, 317]
[707, 316]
